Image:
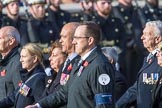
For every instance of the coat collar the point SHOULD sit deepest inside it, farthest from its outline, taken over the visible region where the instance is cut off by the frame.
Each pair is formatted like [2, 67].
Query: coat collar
[89, 59]
[7, 58]
[25, 74]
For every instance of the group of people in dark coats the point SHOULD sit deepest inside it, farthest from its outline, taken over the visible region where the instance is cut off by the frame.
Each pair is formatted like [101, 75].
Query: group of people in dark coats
[44, 27]
[32, 82]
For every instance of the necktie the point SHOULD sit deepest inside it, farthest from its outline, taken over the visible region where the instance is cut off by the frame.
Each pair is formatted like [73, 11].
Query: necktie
[149, 56]
[65, 64]
[80, 62]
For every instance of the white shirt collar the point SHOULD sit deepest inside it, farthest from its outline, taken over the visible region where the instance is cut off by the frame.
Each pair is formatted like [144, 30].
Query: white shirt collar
[86, 55]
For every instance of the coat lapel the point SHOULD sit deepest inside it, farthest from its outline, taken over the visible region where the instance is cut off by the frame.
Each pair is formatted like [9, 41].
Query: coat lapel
[146, 64]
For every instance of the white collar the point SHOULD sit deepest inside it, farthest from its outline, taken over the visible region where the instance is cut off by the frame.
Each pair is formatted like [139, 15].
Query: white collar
[87, 54]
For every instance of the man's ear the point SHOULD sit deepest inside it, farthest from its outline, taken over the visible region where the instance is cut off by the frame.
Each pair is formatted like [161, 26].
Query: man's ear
[91, 40]
[158, 39]
[12, 41]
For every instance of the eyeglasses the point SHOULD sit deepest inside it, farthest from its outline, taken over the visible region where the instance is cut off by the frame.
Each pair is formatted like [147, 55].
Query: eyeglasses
[77, 37]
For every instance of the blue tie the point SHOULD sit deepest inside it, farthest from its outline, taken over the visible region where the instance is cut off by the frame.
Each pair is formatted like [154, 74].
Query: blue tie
[65, 64]
[80, 62]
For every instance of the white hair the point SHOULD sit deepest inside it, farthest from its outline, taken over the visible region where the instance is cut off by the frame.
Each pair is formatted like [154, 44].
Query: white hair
[110, 53]
[157, 25]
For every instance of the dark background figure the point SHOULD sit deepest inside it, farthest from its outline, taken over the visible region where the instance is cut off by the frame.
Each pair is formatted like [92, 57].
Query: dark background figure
[120, 80]
[87, 10]
[41, 30]
[124, 11]
[1, 15]
[57, 15]
[113, 33]
[12, 18]
[9, 61]
[32, 81]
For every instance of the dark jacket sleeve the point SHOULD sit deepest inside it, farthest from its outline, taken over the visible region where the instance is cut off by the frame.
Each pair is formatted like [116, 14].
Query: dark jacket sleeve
[98, 88]
[128, 97]
[120, 85]
[16, 74]
[56, 99]
[8, 102]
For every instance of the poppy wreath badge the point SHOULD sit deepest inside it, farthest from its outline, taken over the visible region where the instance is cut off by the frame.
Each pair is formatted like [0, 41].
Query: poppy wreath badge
[85, 64]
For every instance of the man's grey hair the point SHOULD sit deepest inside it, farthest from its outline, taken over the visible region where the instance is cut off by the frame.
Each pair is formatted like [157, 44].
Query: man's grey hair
[13, 32]
[157, 25]
[110, 53]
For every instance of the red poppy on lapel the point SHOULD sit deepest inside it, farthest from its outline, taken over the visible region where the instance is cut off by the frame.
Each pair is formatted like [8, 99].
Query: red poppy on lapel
[150, 60]
[20, 83]
[69, 67]
[3, 73]
[85, 64]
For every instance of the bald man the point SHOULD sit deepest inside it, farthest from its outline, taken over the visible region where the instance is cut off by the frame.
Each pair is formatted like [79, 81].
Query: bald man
[62, 77]
[9, 63]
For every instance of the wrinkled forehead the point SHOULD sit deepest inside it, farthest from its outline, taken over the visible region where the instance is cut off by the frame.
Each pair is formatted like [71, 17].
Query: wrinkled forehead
[2, 33]
[148, 29]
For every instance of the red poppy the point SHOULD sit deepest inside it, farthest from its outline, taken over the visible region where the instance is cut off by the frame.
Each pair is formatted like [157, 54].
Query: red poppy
[150, 61]
[85, 64]
[69, 67]
[3, 73]
[20, 83]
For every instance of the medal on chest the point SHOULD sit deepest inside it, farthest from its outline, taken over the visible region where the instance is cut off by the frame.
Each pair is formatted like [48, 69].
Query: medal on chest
[85, 64]
[64, 78]
[24, 89]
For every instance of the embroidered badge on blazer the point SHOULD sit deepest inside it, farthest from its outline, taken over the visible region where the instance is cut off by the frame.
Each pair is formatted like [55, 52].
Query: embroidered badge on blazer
[104, 79]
